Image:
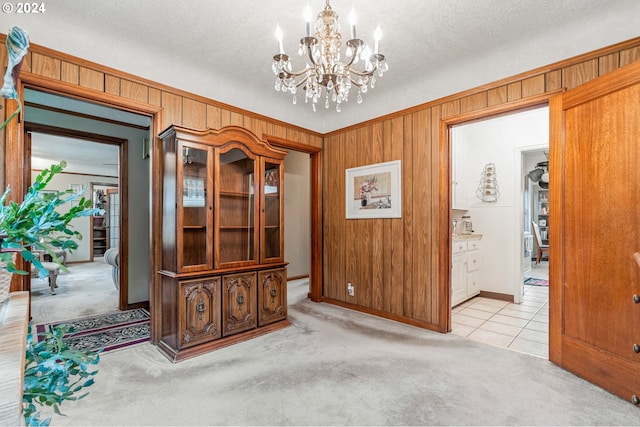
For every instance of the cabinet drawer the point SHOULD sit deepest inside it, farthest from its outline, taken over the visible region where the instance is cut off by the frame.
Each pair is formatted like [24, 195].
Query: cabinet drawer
[458, 246]
[473, 261]
[473, 245]
[473, 284]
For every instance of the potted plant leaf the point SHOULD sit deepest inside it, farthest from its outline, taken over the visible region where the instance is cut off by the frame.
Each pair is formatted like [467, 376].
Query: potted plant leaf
[37, 222]
[54, 373]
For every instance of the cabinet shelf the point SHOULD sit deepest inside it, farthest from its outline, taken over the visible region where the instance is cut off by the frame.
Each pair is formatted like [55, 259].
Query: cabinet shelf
[99, 236]
[541, 213]
[241, 194]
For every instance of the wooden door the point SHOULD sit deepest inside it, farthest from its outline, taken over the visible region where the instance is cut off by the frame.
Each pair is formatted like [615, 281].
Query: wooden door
[272, 296]
[239, 304]
[595, 210]
[199, 311]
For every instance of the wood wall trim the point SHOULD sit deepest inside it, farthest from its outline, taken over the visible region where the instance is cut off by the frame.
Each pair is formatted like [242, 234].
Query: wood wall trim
[290, 145]
[47, 84]
[383, 314]
[85, 116]
[70, 133]
[556, 153]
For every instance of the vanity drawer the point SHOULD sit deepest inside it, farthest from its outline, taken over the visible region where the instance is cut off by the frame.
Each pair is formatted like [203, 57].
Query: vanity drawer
[473, 244]
[473, 261]
[458, 246]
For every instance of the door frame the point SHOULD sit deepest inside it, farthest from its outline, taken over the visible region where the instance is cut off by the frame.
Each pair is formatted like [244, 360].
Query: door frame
[315, 157]
[122, 144]
[444, 176]
[520, 154]
[121, 219]
[17, 161]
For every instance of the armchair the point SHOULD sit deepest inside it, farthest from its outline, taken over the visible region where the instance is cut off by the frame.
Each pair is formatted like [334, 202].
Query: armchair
[111, 258]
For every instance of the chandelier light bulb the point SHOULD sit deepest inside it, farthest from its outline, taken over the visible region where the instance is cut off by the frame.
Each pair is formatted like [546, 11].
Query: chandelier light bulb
[307, 14]
[278, 35]
[352, 22]
[377, 36]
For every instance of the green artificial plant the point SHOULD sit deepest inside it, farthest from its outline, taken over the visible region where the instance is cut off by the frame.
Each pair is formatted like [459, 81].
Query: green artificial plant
[54, 373]
[36, 222]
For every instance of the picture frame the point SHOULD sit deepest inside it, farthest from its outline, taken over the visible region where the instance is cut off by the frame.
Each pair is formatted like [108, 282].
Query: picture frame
[374, 191]
[77, 188]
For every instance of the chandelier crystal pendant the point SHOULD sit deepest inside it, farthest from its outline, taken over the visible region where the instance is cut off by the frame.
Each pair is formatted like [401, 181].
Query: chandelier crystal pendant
[326, 79]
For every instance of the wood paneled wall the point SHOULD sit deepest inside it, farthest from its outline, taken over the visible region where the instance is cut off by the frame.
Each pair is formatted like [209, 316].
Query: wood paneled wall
[394, 263]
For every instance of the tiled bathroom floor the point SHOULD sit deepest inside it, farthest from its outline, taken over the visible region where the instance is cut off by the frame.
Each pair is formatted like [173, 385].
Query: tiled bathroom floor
[522, 327]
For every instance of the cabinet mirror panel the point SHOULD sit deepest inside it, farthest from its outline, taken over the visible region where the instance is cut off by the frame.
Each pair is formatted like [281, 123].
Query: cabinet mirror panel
[237, 207]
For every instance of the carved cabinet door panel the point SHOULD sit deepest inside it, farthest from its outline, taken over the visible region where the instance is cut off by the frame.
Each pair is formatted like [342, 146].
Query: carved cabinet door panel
[272, 296]
[199, 311]
[239, 304]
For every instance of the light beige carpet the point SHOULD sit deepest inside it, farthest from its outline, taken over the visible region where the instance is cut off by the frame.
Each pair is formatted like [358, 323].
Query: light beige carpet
[339, 367]
[86, 289]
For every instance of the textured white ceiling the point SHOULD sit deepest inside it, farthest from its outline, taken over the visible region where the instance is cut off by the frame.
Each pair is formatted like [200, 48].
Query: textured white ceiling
[222, 49]
[82, 157]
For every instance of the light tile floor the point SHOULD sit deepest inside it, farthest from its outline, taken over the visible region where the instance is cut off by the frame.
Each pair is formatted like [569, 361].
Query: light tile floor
[521, 327]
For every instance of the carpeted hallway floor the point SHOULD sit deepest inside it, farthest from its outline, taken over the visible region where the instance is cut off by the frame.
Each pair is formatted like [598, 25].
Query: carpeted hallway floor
[86, 289]
[339, 367]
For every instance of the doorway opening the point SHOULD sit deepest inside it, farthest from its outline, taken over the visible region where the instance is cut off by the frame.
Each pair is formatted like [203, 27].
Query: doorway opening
[490, 301]
[97, 143]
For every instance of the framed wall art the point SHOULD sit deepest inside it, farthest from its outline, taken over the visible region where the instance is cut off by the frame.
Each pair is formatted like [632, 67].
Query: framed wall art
[374, 191]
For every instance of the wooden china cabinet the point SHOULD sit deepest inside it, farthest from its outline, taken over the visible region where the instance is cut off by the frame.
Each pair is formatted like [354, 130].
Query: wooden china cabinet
[223, 269]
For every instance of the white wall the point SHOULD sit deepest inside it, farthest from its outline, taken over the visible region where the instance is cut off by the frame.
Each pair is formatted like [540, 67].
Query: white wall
[62, 182]
[297, 213]
[500, 141]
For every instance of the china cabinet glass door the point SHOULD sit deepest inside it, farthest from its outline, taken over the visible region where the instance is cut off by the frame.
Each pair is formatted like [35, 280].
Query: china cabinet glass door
[237, 244]
[272, 234]
[194, 212]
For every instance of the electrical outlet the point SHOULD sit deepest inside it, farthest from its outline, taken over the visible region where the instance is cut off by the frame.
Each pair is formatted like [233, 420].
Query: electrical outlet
[351, 290]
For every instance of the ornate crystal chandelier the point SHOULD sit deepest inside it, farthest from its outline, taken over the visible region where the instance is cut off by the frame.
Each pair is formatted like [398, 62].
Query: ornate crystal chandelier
[324, 68]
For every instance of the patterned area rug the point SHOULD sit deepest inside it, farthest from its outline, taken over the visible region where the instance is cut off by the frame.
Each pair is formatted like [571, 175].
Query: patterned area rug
[106, 331]
[536, 282]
